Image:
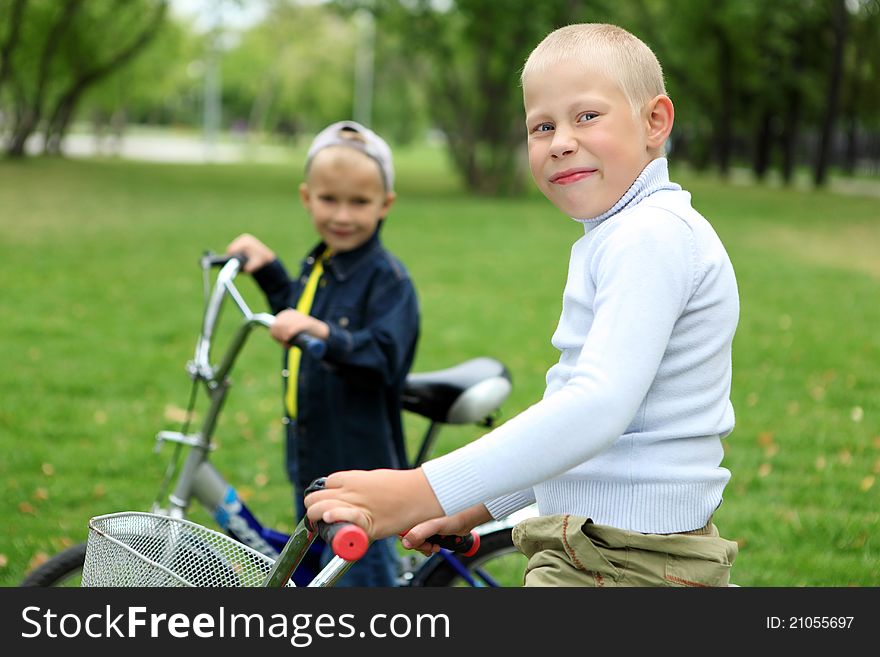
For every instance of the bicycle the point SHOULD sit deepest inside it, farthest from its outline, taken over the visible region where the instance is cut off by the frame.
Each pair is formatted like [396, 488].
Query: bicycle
[468, 393]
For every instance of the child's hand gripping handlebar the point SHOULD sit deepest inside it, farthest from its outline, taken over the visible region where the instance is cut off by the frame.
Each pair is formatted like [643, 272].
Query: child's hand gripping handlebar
[348, 541]
[466, 546]
[315, 347]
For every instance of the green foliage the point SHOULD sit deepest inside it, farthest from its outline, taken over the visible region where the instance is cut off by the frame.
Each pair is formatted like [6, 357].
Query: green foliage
[160, 86]
[469, 56]
[102, 298]
[62, 49]
[294, 70]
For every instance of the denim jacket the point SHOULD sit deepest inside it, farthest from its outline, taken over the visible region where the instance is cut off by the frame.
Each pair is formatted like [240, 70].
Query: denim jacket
[349, 402]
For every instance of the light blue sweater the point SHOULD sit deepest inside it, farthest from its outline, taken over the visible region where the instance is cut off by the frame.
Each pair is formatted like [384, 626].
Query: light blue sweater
[629, 430]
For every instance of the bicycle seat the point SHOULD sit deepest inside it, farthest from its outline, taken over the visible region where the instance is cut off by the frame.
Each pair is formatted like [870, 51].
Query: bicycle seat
[464, 394]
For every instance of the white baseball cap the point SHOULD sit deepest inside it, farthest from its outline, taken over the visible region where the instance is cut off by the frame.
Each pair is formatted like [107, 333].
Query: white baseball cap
[354, 135]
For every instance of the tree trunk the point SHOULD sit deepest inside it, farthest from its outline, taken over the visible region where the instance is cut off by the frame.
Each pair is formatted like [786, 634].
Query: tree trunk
[724, 119]
[65, 108]
[11, 42]
[840, 24]
[792, 119]
[851, 155]
[29, 114]
[763, 144]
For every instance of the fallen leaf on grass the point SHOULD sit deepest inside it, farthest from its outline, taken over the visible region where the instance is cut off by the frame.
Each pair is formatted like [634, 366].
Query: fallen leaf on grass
[261, 479]
[26, 507]
[4, 561]
[48, 469]
[765, 438]
[857, 414]
[99, 491]
[765, 469]
[175, 413]
[866, 484]
[38, 560]
[41, 494]
[845, 456]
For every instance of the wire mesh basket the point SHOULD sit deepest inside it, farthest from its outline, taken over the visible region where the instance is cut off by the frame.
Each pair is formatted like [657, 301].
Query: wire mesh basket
[132, 549]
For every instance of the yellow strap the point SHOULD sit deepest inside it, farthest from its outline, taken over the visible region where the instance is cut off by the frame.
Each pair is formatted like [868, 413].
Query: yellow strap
[304, 305]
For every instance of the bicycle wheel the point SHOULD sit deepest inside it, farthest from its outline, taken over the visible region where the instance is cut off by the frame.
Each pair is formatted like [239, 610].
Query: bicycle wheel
[64, 569]
[498, 563]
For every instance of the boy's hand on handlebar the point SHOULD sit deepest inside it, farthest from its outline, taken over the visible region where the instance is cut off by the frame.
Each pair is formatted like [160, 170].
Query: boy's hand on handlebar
[459, 524]
[290, 323]
[258, 254]
[382, 502]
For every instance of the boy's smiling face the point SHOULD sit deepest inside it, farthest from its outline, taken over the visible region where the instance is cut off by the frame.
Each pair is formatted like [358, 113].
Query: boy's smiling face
[345, 197]
[586, 146]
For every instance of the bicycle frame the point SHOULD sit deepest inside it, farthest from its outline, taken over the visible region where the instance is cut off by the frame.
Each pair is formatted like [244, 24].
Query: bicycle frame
[199, 479]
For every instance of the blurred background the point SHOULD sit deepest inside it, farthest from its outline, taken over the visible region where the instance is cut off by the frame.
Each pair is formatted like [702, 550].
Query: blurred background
[775, 90]
[138, 133]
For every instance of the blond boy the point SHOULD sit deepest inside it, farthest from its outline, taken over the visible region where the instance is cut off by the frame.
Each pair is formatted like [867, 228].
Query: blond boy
[623, 453]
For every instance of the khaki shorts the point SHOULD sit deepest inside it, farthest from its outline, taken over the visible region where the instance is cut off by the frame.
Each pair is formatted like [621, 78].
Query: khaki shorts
[572, 551]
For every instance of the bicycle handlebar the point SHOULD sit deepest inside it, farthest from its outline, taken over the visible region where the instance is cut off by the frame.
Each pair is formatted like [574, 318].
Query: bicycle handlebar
[231, 265]
[467, 546]
[218, 260]
[308, 343]
[348, 541]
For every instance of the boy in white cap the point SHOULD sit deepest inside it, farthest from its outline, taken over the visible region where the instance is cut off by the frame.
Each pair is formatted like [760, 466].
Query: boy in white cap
[343, 411]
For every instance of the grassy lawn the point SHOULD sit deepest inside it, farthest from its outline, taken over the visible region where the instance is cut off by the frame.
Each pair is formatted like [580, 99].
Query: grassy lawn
[100, 299]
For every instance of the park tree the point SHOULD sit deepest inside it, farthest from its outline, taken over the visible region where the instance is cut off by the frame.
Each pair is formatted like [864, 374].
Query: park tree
[467, 55]
[292, 71]
[765, 84]
[56, 51]
[860, 96]
[158, 87]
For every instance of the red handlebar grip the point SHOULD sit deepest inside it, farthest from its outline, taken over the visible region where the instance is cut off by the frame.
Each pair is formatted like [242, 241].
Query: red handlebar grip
[475, 547]
[466, 546]
[350, 542]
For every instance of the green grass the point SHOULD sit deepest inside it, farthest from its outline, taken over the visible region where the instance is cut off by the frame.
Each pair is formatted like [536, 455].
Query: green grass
[100, 299]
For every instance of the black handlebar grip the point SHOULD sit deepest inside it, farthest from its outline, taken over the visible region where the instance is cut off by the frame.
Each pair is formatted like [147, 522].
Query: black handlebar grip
[218, 260]
[348, 541]
[314, 346]
[466, 546]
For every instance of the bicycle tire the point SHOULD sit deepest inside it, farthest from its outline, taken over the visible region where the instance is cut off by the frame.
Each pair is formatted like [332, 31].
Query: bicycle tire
[64, 568]
[437, 572]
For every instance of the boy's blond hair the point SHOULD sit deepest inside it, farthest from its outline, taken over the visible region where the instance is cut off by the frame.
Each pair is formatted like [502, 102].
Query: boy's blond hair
[606, 49]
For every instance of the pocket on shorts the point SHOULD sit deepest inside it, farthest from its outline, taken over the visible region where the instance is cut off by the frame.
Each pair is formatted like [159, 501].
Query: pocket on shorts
[694, 572]
[558, 549]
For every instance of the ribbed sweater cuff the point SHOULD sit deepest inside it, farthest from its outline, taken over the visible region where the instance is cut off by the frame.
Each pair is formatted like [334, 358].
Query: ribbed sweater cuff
[455, 482]
[502, 507]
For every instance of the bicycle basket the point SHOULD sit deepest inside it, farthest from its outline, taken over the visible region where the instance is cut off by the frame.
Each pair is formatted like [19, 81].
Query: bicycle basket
[132, 549]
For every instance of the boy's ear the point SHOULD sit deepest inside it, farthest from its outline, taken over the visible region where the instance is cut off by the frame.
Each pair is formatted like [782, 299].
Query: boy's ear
[304, 194]
[660, 117]
[390, 197]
